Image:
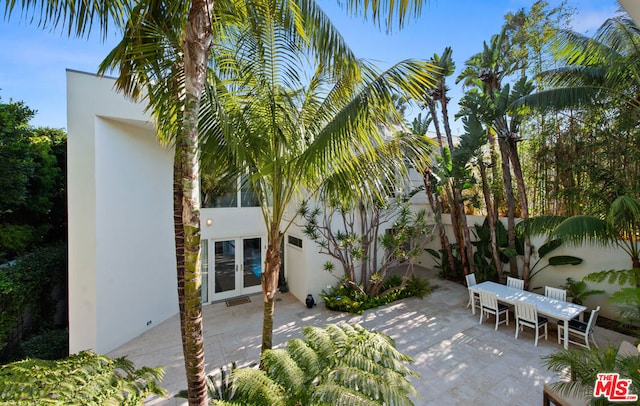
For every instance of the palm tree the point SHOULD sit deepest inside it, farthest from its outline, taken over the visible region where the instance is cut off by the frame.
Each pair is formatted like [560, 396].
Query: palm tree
[586, 364]
[338, 364]
[187, 27]
[605, 66]
[435, 97]
[296, 139]
[502, 117]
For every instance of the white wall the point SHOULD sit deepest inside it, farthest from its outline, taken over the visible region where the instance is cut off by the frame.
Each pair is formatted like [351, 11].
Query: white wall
[121, 253]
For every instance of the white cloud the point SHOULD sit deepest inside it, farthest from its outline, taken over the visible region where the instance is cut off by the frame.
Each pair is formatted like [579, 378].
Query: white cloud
[587, 21]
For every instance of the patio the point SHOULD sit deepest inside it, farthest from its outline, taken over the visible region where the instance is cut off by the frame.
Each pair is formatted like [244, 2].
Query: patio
[459, 361]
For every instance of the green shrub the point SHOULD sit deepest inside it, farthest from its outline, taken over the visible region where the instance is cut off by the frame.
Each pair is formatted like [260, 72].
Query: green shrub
[27, 286]
[346, 298]
[50, 344]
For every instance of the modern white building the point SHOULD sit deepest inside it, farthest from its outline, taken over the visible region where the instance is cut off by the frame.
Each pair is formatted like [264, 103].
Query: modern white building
[122, 267]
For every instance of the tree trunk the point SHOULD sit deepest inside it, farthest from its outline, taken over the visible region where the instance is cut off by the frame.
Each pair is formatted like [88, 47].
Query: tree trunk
[511, 203]
[436, 208]
[467, 250]
[189, 278]
[517, 170]
[491, 220]
[196, 46]
[270, 285]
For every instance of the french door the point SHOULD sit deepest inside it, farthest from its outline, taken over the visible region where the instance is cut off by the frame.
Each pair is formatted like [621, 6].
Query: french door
[231, 267]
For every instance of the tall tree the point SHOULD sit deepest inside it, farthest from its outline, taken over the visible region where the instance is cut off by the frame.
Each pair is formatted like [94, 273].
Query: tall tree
[296, 138]
[189, 25]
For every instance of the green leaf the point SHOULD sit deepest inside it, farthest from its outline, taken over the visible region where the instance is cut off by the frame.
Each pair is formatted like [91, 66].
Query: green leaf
[564, 260]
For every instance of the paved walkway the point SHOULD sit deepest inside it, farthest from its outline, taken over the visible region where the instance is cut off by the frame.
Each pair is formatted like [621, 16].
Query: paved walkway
[459, 361]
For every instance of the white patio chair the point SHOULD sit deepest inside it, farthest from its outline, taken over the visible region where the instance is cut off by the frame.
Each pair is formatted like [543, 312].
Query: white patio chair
[555, 293]
[527, 315]
[580, 329]
[471, 281]
[489, 305]
[515, 283]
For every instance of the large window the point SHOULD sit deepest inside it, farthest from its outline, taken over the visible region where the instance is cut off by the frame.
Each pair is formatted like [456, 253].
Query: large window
[227, 192]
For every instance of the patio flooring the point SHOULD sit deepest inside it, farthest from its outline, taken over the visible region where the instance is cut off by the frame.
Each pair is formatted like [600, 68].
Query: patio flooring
[459, 361]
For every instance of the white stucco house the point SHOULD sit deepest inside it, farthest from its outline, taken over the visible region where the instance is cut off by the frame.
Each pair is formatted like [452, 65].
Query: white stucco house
[122, 278]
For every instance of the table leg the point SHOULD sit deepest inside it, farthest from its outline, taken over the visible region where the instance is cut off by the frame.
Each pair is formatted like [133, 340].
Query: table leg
[566, 334]
[473, 303]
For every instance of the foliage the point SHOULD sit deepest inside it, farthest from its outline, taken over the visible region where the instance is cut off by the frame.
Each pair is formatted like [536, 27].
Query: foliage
[336, 365]
[32, 180]
[443, 266]
[584, 150]
[27, 286]
[483, 257]
[627, 298]
[85, 378]
[50, 344]
[585, 364]
[578, 291]
[354, 236]
[344, 297]
[218, 384]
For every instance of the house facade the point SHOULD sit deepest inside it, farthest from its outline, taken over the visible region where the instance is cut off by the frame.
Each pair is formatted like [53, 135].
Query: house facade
[122, 267]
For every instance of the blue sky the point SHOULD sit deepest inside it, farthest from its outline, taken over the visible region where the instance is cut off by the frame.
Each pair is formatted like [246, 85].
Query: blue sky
[33, 61]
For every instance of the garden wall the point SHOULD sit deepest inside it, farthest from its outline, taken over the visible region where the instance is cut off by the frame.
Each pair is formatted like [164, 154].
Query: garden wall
[595, 258]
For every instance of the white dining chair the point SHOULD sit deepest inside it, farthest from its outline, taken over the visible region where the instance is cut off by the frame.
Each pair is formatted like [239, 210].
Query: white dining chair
[515, 283]
[471, 281]
[489, 305]
[580, 329]
[555, 293]
[527, 315]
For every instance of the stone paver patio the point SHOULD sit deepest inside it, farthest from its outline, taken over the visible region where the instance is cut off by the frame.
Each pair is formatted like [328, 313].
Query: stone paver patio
[459, 361]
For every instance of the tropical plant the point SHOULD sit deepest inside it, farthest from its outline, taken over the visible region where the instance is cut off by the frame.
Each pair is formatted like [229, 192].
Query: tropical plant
[82, 379]
[354, 237]
[318, 137]
[447, 185]
[344, 297]
[619, 226]
[578, 291]
[336, 365]
[163, 60]
[584, 365]
[590, 99]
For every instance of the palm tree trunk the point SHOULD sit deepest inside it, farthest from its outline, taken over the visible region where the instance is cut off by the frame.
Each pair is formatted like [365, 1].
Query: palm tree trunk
[270, 285]
[436, 208]
[188, 275]
[491, 220]
[517, 171]
[196, 46]
[511, 203]
[467, 250]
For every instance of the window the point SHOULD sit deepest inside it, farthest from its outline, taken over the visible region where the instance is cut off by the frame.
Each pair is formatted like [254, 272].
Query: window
[295, 241]
[231, 191]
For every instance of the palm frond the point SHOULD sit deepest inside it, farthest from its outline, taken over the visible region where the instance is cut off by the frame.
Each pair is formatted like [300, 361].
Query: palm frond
[579, 229]
[279, 365]
[540, 225]
[78, 18]
[255, 387]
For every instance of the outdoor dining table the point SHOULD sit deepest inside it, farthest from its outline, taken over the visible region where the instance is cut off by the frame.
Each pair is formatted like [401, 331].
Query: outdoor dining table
[552, 308]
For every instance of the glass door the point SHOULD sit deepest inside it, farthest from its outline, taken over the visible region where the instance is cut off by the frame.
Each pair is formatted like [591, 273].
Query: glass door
[251, 262]
[235, 268]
